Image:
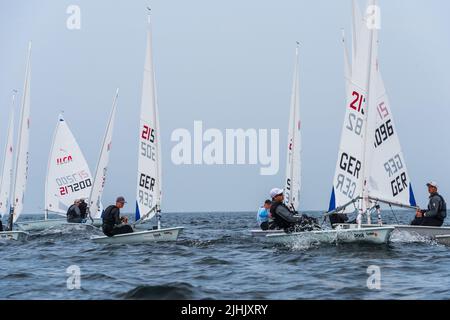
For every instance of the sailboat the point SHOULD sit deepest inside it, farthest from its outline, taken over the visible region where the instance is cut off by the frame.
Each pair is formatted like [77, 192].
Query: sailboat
[148, 193]
[392, 150]
[19, 180]
[95, 197]
[293, 159]
[68, 178]
[368, 144]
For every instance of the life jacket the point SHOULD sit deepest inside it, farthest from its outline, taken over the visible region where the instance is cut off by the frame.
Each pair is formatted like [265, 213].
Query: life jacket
[442, 207]
[108, 216]
[83, 209]
[277, 220]
[71, 213]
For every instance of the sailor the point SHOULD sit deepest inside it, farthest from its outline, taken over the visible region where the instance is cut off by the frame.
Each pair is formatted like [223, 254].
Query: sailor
[73, 213]
[83, 209]
[437, 209]
[113, 223]
[285, 218]
[263, 215]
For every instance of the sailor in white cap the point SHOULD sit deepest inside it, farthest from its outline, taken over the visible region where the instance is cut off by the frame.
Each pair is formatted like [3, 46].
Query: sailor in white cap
[284, 218]
[437, 209]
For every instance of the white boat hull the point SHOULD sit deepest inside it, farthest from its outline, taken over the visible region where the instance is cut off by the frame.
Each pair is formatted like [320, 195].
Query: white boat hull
[13, 235]
[443, 239]
[375, 235]
[169, 234]
[423, 231]
[40, 225]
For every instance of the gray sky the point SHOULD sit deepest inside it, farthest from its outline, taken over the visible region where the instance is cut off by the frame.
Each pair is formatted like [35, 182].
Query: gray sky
[228, 64]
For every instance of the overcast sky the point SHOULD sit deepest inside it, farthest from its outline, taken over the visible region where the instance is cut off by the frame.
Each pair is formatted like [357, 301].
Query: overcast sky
[230, 65]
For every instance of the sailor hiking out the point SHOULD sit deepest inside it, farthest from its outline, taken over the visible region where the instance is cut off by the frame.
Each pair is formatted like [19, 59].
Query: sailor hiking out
[286, 219]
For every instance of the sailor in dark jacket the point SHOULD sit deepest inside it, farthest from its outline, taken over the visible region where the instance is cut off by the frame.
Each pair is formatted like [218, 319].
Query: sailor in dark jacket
[73, 213]
[113, 223]
[285, 218]
[437, 209]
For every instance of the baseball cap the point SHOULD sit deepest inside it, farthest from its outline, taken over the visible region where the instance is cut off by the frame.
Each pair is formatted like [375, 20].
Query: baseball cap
[432, 184]
[121, 199]
[275, 191]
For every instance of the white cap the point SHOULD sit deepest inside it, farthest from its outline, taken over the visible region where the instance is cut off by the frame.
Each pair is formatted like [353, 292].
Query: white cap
[432, 183]
[275, 191]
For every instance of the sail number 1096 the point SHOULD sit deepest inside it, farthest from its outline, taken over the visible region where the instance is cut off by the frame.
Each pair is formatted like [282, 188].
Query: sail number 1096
[383, 133]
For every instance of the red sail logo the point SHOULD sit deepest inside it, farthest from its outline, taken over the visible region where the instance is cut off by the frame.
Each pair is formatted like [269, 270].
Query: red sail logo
[64, 160]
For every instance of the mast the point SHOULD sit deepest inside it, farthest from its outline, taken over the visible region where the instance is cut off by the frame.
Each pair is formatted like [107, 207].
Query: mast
[292, 182]
[371, 85]
[158, 139]
[22, 138]
[46, 211]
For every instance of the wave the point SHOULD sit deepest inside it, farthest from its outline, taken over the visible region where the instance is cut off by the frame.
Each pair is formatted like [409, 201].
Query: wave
[170, 291]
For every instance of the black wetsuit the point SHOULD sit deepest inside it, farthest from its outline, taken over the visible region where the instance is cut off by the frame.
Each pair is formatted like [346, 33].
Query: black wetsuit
[112, 224]
[284, 218]
[1, 225]
[74, 214]
[436, 213]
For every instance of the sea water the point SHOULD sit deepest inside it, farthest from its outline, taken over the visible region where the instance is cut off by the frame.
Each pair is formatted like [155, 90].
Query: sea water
[216, 257]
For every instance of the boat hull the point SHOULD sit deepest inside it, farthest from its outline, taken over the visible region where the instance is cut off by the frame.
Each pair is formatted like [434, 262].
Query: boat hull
[424, 231]
[161, 235]
[13, 235]
[375, 235]
[40, 225]
[443, 239]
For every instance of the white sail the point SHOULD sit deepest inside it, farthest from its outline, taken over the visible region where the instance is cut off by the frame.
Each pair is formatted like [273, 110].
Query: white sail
[357, 22]
[148, 197]
[347, 65]
[348, 179]
[98, 185]
[388, 178]
[384, 174]
[68, 175]
[7, 170]
[293, 161]
[21, 175]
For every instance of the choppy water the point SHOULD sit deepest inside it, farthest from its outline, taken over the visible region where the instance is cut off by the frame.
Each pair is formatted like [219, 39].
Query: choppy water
[216, 258]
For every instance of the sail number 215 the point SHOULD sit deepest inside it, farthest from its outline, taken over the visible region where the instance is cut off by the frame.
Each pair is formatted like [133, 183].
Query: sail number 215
[357, 102]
